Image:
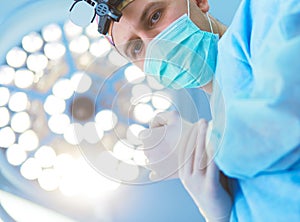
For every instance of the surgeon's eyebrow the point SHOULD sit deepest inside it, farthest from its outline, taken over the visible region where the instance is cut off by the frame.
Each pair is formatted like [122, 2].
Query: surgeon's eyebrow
[143, 20]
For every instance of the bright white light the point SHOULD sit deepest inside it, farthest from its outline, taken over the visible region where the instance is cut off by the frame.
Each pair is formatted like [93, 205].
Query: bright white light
[16, 155]
[59, 123]
[106, 120]
[74, 134]
[4, 96]
[54, 50]
[134, 74]
[143, 113]
[37, 62]
[7, 137]
[132, 133]
[46, 156]
[81, 82]
[72, 30]
[16, 57]
[100, 48]
[141, 94]
[64, 164]
[49, 180]
[91, 30]
[5, 116]
[54, 105]
[24, 78]
[161, 100]
[80, 44]
[7, 75]
[154, 84]
[63, 89]
[18, 102]
[32, 42]
[52, 33]
[91, 184]
[128, 172]
[140, 158]
[116, 59]
[68, 186]
[92, 133]
[29, 140]
[123, 150]
[20, 122]
[31, 169]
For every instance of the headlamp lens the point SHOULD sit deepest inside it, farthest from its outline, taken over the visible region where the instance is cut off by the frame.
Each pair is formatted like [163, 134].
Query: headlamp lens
[82, 13]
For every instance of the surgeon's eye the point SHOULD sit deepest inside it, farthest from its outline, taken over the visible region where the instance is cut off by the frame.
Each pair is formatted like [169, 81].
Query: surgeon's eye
[154, 18]
[136, 48]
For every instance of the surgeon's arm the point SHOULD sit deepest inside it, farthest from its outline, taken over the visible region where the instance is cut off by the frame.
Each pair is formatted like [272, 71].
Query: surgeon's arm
[263, 126]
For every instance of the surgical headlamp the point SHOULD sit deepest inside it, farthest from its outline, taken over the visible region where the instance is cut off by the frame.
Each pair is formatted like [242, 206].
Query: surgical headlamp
[83, 12]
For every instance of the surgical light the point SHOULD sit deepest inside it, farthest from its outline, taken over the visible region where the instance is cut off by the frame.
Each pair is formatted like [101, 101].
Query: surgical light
[52, 33]
[134, 75]
[29, 140]
[5, 116]
[100, 48]
[63, 89]
[16, 155]
[59, 123]
[54, 105]
[16, 57]
[32, 42]
[4, 95]
[24, 78]
[7, 137]
[106, 120]
[31, 169]
[72, 30]
[143, 113]
[18, 102]
[46, 156]
[80, 44]
[7, 74]
[81, 82]
[54, 50]
[20, 122]
[49, 180]
[37, 62]
[161, 100]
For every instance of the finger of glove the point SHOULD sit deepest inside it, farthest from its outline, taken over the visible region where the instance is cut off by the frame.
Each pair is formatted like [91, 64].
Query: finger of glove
[187, 153]
[200, 162]
[164, 118]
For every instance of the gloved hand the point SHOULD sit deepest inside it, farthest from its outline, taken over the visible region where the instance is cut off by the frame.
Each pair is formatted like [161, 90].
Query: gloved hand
[166, 136]
[202, 178]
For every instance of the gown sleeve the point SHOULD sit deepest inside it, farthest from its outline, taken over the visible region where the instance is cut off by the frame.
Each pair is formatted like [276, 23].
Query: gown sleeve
[260, 129]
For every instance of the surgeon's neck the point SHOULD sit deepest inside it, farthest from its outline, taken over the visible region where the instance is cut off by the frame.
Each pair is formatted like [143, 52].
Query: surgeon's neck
[208, 88]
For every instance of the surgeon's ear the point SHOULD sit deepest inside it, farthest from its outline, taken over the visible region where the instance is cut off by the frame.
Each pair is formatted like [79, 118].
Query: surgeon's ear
[203, 5]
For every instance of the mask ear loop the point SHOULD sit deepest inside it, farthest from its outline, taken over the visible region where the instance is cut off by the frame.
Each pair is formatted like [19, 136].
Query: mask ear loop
[209, 21]
[189, 10]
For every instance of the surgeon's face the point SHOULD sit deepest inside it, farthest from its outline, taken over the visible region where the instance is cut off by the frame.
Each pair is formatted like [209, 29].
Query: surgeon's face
[142, 20]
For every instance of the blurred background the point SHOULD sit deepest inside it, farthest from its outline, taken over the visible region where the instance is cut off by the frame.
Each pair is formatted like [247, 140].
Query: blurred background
[67, 101]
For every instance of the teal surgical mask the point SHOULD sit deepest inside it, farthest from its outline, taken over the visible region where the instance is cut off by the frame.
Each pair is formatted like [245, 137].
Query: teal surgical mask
[182, 56]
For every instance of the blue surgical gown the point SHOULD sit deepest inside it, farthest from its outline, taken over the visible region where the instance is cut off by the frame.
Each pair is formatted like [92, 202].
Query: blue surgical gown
[257, 86]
